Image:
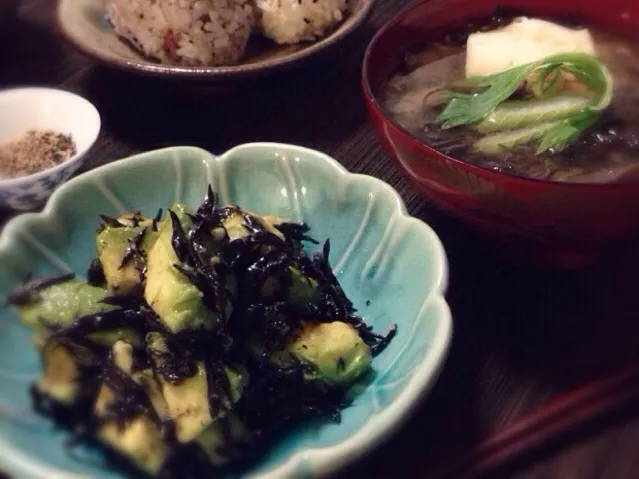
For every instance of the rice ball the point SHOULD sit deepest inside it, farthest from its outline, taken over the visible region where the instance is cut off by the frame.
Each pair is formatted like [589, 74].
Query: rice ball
[185, 32]
[293, 21]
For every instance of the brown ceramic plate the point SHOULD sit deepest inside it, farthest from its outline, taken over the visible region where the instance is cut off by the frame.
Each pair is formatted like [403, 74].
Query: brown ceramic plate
[83, 23]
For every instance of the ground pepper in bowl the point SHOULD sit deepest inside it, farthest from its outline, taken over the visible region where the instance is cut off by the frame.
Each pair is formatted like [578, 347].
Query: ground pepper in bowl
[35, 151]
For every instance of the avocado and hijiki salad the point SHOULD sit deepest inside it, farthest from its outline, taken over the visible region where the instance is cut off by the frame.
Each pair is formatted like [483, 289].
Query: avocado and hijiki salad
[196, 338]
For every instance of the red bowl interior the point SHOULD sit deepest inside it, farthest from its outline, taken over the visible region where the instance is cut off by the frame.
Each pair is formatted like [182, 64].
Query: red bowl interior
[540, 222]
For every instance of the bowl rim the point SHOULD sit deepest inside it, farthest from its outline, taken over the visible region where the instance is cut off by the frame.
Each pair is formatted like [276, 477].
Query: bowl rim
[373, 102]
[40, 174]
[257, 69]
[371, 433]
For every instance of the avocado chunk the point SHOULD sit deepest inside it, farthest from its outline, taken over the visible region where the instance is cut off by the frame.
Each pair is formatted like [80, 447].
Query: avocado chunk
[140, 440]
[187, 399]
[139, 437]
[122, 356]
[109, 337]
[58, 305]
[303, 290]
[188, 404]
[65, 368]
[214, 440]
[335, 351]
[122, 248]
[235, 224]
[189, 408]
[134, 220]
[168, 291]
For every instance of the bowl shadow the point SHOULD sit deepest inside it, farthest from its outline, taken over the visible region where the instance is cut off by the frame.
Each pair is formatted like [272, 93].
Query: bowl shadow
[302, 106]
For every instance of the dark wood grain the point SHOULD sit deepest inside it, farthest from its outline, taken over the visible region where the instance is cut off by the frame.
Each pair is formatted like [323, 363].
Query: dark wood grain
[521, 336]
[567, 414]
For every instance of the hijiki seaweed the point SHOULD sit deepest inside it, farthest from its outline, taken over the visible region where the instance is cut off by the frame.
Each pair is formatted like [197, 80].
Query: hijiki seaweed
[276, 395]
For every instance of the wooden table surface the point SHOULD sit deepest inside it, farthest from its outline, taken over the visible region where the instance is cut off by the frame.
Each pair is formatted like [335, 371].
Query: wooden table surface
[521, 337]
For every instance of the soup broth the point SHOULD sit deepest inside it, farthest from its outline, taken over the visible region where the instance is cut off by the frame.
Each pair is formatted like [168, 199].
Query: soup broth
[606, 151]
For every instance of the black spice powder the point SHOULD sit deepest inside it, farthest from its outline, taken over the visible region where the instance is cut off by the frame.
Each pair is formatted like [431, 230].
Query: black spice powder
[33, 152]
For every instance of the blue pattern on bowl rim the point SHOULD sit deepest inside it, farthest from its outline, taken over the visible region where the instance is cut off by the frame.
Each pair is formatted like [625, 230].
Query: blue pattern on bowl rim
[33, 191]
[379, 253]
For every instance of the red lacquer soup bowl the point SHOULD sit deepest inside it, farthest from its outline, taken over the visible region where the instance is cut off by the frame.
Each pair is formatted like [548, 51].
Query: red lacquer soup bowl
[545, 223]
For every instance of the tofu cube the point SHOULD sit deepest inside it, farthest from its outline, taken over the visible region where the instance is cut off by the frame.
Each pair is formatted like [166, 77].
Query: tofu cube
[523, 41]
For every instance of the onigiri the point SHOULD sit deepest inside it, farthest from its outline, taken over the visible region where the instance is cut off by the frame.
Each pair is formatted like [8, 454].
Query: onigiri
[185, 32]
[293, 21]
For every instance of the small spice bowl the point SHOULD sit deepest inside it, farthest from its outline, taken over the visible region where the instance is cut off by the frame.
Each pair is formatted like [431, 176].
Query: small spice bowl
[43, 110]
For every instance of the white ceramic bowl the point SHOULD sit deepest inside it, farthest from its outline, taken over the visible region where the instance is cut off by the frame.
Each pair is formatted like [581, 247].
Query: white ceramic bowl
[24, 109]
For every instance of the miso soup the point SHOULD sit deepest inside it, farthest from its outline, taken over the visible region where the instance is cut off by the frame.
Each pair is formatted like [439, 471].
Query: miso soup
[527, 97]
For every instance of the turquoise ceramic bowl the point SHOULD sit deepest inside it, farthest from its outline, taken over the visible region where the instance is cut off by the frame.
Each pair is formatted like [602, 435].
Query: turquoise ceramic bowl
[392, 266]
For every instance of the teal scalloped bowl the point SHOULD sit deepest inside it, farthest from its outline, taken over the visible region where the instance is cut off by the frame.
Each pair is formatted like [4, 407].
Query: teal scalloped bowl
[392, 266]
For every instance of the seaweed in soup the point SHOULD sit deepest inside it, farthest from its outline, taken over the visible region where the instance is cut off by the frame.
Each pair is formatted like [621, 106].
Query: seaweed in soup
[606, 150]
